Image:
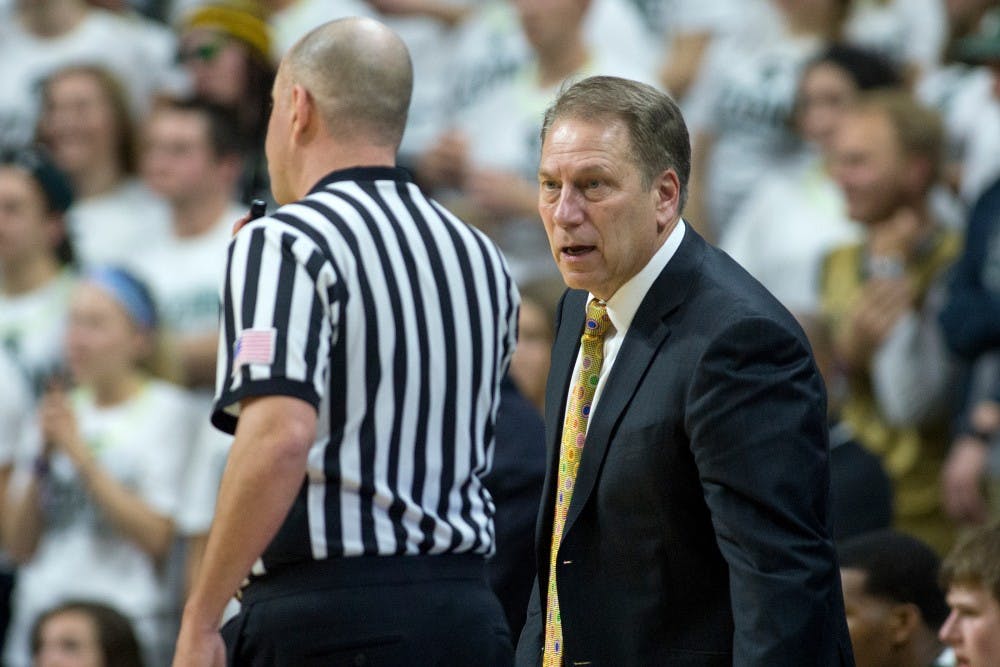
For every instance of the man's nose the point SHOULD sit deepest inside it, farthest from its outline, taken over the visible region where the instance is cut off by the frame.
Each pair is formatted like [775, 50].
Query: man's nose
[569, 208]
[947, 632]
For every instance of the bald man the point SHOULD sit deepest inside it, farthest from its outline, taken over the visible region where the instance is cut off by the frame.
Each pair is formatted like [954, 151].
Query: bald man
[365, 331]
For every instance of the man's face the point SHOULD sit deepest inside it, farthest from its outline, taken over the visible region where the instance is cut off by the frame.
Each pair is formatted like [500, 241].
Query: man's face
[973, 627]
[869, 166]
[868, 621]
[178, 161]
[78, 122]
[549, 24]
[603, 224]
[68, 639]
[824, 91]
[102, 341]
[25, 225]
[218, 65]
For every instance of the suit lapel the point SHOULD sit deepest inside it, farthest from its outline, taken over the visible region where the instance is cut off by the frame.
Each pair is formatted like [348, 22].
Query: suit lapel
[564, 351]
[646, 335]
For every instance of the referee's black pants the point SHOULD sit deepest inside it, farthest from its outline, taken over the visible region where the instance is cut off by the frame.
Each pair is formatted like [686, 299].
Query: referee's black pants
[393, 610]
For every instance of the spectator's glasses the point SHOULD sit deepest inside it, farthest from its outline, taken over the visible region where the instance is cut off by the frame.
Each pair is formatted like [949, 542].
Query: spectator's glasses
[205, 52]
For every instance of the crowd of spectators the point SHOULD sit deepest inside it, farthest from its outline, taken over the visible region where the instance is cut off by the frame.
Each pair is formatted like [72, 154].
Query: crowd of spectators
[846, 153]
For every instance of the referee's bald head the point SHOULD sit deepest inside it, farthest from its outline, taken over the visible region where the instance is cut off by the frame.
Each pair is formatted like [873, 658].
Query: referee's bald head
[360, 75]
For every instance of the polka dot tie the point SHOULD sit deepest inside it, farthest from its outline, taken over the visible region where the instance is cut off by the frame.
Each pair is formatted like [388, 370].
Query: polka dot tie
[570, 449]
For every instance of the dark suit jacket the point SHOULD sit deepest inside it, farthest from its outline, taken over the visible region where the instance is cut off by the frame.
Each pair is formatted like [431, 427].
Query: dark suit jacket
[698, 531]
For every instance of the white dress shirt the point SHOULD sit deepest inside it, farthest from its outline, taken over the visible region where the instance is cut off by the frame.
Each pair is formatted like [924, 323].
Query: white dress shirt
[622, 307]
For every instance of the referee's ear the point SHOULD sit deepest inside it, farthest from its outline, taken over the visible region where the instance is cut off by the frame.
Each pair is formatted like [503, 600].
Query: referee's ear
[304, 114]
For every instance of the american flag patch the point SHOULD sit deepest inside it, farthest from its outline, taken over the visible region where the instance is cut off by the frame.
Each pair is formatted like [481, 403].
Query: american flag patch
[254, 346]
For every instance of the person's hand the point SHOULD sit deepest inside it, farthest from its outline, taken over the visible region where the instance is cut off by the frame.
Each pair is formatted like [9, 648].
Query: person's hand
[59, 427]
[881, 306]
[502, 194]
[886, 300]
[239, 224]
[985, 417]
[199, 647]
[445, 163]
[962, 480]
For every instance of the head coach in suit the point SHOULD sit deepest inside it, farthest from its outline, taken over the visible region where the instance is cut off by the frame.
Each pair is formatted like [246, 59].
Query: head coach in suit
[687, 481]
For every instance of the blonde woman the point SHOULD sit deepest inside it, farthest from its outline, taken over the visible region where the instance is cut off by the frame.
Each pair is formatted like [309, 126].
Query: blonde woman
[87, 125]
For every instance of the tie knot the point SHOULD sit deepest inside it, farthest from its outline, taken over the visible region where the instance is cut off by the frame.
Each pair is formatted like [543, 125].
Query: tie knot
[597, 318]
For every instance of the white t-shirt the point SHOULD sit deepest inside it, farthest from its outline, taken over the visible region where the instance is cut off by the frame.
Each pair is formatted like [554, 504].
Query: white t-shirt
[204, 472]
[16, 421]
[144, 444]
[32, 327]
[185, 275]
[140, 52]
[666, 18]
[513, 113]
[784, 230]
[943, 88]
[113, 227]
[430, 44]
[908, 32]
[719, 16]
[291, 23]
[744, 100]
[490, 48]
[188, 301]
[16, 410]
[971, 114]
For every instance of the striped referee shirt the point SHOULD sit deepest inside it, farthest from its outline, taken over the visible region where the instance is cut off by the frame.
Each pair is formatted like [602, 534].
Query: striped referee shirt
[396, 321]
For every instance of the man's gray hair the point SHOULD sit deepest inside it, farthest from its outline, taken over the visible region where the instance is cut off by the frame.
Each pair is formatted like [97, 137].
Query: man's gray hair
[657, 132]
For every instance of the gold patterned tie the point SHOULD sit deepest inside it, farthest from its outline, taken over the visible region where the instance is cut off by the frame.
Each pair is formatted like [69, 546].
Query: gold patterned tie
[570, 449]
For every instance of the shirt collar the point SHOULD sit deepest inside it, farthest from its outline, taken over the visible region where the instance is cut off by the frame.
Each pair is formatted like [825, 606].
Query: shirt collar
[624, 304]
[363, 174]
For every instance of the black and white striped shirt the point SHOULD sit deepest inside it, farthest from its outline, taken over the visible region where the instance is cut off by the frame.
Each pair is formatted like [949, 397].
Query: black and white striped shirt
[397, 321]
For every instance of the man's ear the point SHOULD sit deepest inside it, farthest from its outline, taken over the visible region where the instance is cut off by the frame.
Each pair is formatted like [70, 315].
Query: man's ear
[667, 197]
[919, 174]
[904, 619]
[56, 228]
[303, 112]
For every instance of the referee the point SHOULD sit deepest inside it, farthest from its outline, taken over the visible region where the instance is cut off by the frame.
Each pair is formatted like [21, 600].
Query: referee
[365, 333]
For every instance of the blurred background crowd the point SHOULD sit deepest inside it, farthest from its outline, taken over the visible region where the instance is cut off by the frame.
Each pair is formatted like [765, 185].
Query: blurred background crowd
[846, 153]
